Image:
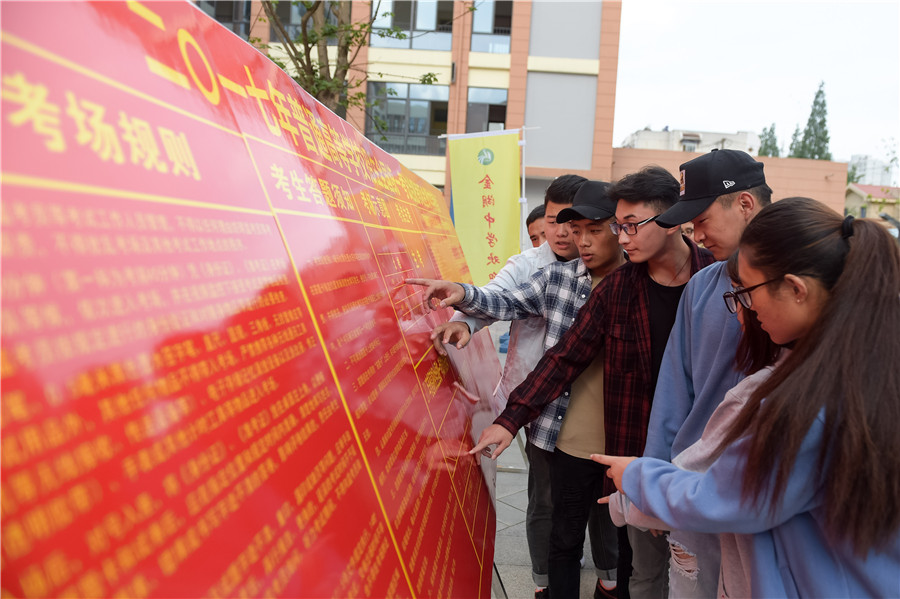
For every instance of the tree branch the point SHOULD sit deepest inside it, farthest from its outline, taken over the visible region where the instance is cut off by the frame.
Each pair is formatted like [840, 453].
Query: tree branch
[311, 10]
[290, 48]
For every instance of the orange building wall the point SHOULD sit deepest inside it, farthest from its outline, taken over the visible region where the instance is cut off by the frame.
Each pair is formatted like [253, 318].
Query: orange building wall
[259, 23]
[819, 179]
[458, 104]
[520, 39]
[356, 115]
[459, 88]
[601, 162]
[822, 180]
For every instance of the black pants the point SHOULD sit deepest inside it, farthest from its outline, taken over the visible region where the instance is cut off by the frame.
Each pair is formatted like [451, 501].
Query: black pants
[576, 485]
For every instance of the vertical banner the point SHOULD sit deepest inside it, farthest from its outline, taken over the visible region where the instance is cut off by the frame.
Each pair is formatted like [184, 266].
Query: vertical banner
[214, 381]
[484, 175]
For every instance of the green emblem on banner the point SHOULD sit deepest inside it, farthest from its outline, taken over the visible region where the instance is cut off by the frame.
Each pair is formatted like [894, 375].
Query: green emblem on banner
[485, 156]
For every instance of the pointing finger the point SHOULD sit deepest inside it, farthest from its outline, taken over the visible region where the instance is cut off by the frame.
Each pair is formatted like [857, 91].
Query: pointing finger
[602, 459]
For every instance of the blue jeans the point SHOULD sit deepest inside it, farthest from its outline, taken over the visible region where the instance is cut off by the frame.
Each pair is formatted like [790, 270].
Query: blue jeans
[696, 572]
[650, 560]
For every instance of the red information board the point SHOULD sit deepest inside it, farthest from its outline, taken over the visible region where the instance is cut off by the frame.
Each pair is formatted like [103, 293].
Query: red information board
[214, 381]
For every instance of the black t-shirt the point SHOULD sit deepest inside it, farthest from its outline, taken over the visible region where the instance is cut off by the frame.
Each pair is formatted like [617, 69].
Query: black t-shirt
[663, 308]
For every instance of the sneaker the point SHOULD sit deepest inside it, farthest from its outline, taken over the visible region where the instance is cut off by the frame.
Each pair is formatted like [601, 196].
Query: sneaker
[605, 589]
[543, 593]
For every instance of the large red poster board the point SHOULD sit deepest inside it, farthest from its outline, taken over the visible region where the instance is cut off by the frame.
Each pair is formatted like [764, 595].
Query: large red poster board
[214, 381]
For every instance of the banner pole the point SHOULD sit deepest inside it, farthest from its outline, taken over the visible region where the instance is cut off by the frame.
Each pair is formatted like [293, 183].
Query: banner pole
[523, 201]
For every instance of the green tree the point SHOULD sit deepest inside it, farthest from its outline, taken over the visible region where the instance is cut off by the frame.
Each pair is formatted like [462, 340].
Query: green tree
[768, 143]
[814, 141]
[335, 79]
[890, 157]
[796, 150]
[853, 175]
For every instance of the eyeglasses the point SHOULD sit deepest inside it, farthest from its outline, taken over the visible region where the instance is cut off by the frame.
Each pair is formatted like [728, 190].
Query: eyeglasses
[630, 228]
[742, 294]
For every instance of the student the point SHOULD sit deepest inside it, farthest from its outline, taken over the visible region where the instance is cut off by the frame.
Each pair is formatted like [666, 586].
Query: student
[811, 465]
[722, 192]
[526, 346]
[535, 225]
[626, 321]
[755, 357]
[555, 293]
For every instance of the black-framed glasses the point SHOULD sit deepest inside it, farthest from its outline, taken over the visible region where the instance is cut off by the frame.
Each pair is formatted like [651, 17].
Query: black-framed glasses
[630, 228]
[742, 294]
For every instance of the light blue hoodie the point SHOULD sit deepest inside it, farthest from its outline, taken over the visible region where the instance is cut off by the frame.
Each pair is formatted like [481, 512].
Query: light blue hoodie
[792, 557]
[697, 371]
[697, 368]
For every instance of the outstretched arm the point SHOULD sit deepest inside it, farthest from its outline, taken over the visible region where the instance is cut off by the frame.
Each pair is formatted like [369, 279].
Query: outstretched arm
[559, 366]
[712, 501]
[517, 270]
[495, 303]
[441, 293]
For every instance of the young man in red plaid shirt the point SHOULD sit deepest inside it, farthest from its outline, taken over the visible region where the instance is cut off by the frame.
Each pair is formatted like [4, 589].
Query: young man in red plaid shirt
[554, 294]
[626, 324]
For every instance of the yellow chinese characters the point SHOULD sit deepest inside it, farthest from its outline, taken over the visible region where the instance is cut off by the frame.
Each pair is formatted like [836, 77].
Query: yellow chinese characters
[94, 130]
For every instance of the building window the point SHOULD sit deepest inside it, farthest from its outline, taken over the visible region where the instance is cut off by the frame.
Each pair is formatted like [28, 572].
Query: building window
[232, 14]
[427, 24]
[862, 211]
[412, 117]
[491, 26]
[690, 142]
[486, 110]
[291, 14]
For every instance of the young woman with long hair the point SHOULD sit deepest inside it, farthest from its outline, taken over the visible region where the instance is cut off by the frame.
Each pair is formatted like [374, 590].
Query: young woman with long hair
[717, 566]
[811, 465]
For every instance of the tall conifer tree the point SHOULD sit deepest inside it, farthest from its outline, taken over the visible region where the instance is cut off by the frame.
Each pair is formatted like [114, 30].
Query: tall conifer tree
[814, 141]
[797, 150]
[768, 143]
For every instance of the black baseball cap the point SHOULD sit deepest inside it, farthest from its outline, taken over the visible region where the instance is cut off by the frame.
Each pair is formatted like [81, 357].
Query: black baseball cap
[707, 177]
[591, 201]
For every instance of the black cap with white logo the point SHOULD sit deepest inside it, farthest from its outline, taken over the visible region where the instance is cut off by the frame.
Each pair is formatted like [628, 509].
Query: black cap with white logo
[591, 201]
[707, 177]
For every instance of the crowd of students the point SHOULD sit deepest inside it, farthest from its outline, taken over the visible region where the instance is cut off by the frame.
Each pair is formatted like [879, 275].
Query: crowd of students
[756, 374]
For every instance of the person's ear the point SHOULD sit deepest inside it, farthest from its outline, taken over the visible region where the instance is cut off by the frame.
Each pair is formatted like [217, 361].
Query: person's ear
[747, 203]
[674, 230]
[798, 287]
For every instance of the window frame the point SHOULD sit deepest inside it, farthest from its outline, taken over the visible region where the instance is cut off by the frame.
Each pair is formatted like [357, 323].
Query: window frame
[417, 38]
[414, 131]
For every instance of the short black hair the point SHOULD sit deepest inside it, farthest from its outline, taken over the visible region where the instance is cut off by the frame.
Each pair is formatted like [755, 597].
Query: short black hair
[534, 215]
[563, 189]
[652, 185]
[762, 193]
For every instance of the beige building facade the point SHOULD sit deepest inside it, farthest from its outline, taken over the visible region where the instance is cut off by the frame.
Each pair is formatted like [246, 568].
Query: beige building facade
[871, 201]
[680, 140]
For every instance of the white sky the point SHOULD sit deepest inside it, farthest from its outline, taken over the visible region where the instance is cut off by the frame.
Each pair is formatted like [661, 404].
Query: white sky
[738, 65]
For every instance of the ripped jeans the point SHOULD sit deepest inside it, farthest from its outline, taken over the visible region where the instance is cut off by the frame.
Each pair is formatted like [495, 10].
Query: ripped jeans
[694, 564]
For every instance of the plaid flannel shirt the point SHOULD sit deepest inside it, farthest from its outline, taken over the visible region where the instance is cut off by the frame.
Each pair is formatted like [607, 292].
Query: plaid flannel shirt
[555, 292]
[616, 321]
